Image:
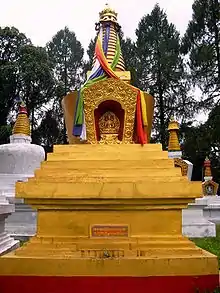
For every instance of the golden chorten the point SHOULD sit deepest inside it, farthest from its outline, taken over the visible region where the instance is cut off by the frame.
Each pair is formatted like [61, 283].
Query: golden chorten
[109, 209]
[173, 129]
[22, 124]
[207, 168]
[112, 92]
[209, 187]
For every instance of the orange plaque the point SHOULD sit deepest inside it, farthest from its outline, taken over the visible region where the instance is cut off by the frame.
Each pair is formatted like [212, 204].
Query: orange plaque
[109, 231]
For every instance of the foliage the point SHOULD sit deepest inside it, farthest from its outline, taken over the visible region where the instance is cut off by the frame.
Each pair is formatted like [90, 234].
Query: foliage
[211, 244]
[66, 54]
[90, 52]
[201, 141]
[5, 132]
[48, 132]
[161, 70]
[35, 79]
[129, 54]
[201, 42]
[11, 42]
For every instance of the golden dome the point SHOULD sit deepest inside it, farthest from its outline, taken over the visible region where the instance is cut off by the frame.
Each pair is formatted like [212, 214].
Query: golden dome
[108, 14]
[22, 124]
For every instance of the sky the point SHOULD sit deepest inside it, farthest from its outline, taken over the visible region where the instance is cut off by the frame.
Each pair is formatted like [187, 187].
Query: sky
[41, 19]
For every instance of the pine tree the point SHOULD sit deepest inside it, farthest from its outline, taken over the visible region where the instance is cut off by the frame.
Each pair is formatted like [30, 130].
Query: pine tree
[11, 42]
[160, 70]
[35, 80]
[129, 54]
[202, 43]
[66, 54]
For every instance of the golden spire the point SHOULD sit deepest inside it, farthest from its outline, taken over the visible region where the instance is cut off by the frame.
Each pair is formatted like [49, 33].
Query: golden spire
[22, 124]
[173, 128]
[108, 21]
[207, 168]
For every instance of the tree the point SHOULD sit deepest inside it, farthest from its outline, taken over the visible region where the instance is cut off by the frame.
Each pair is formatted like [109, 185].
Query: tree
[202, 43]
[66, 54]
[48, 132]
[196, 146]
[90, 52]
[129, 53]
[161, 70]
[201, 141]
[35, 79]
[11, 42]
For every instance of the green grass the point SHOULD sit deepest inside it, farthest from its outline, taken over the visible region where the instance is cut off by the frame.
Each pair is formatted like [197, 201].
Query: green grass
[211, 244]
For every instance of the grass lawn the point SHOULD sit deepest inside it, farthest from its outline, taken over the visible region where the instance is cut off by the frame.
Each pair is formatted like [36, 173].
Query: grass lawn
[211, 244]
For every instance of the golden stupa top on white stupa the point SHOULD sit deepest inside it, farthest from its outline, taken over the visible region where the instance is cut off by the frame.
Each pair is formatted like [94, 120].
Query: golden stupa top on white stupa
[22, 124]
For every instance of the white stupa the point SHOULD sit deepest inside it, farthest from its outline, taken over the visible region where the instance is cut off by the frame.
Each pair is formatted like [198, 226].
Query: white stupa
[201, 216]
[19, 159]
[210, 200]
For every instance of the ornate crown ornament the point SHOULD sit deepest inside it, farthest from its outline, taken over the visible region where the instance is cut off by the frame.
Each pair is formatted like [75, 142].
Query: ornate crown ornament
[108, 14]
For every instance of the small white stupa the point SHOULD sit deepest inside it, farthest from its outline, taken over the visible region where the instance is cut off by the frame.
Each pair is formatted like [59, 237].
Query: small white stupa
[6, 242]
[19, 159]
[210, 200]
[198, 218]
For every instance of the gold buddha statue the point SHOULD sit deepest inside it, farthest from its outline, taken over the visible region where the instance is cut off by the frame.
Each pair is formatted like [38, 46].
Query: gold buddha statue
[108, 89]
[109, 126]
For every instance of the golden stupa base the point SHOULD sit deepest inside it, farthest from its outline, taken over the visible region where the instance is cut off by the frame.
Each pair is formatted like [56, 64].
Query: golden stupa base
[110, 213]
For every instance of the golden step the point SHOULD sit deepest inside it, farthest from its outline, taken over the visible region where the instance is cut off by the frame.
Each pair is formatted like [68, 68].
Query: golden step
[139, 172]
[107, 156]
[112, 190]
[115, 179]
[107, 164]
[106, 148]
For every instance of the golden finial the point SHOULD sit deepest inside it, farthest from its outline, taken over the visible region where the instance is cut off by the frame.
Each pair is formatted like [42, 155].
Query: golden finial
[207, 168]
[22, 124]
[173, 128]
[108, 14]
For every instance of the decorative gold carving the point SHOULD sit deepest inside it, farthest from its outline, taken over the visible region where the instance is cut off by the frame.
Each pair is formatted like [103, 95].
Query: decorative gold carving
[109, 139]
[183, 165]
[209, 188]
[110, 89]
[102, 253]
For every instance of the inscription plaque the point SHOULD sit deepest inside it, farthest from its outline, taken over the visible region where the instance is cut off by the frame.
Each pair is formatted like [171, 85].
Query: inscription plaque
[109, 231]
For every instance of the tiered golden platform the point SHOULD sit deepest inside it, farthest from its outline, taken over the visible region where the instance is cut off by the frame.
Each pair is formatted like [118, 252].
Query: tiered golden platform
[110, 210]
